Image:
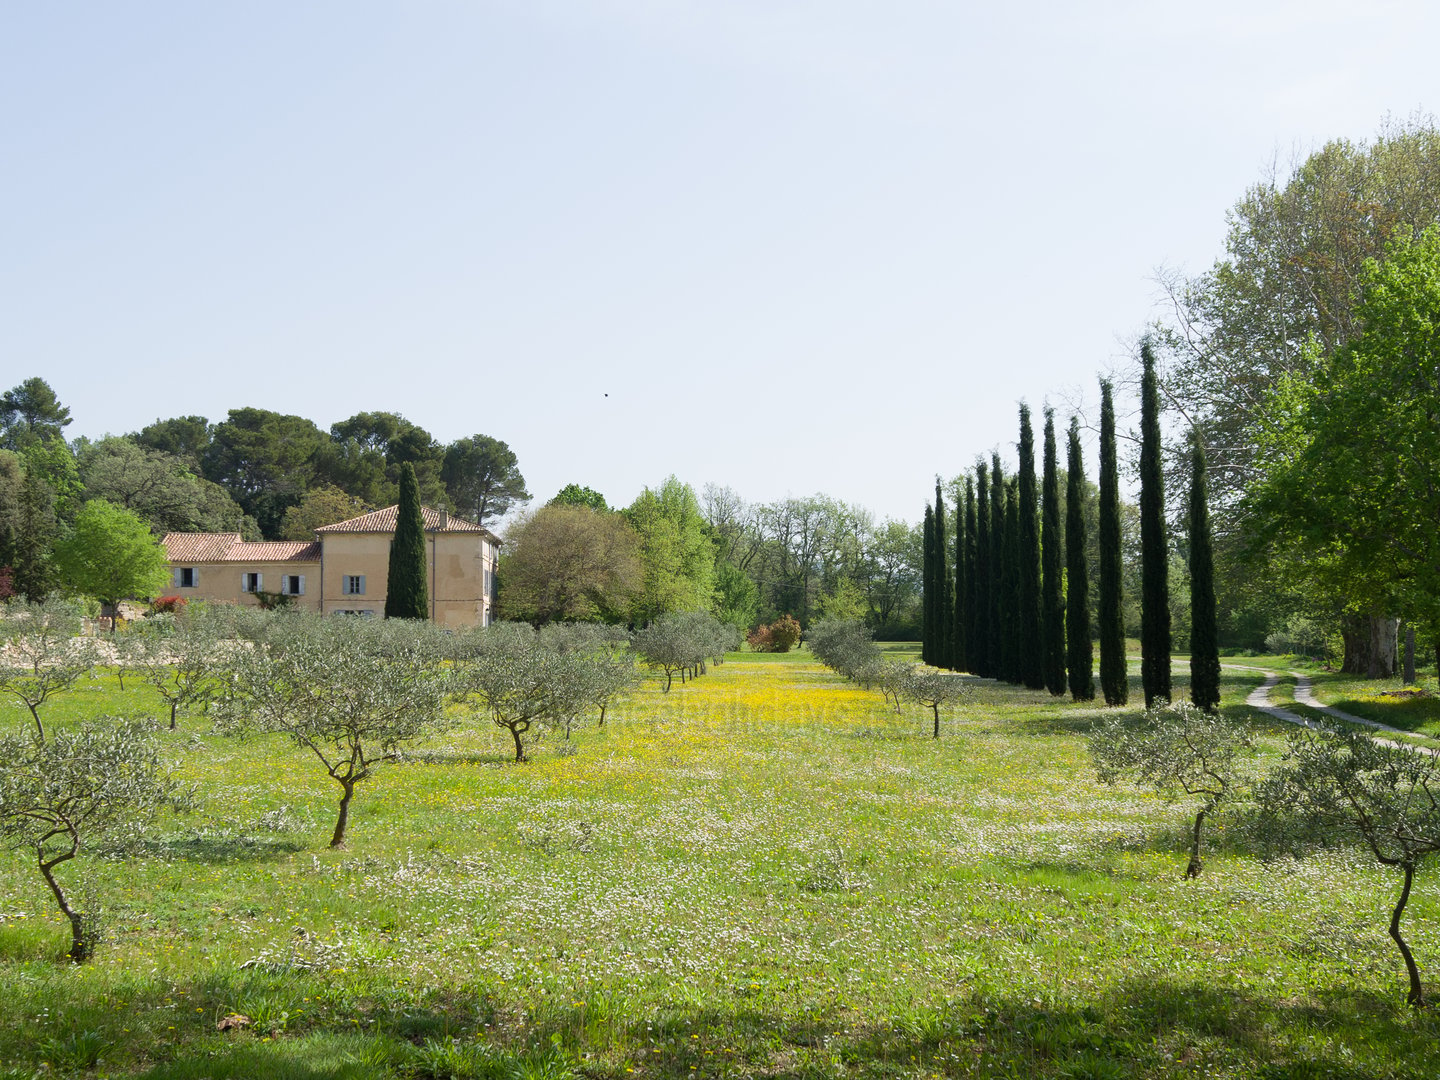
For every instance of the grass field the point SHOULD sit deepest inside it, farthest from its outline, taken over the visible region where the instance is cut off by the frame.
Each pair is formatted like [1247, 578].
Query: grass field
[765, 872]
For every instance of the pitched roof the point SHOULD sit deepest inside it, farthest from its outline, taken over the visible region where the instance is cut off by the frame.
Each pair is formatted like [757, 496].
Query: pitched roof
[229, 547]
[384, 521]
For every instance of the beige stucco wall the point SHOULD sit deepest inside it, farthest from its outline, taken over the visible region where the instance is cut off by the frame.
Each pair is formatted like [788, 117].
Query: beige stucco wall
[221, 581]
[456, 572]
[459, 570]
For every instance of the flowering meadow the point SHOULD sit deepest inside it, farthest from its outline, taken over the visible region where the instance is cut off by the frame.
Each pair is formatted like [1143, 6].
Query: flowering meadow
[765, 872]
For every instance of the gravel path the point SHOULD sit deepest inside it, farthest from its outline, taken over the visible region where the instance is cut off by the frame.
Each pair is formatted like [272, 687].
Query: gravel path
[1259, 699]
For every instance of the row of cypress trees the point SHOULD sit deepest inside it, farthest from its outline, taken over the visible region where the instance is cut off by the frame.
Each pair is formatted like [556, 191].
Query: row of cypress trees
[1008, 597]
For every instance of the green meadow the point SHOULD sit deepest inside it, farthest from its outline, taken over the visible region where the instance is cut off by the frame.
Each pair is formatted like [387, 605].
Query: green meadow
[766, 872]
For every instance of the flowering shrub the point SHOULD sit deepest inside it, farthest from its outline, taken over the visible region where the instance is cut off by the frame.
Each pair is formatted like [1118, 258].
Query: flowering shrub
[780, 636]
[168, 605]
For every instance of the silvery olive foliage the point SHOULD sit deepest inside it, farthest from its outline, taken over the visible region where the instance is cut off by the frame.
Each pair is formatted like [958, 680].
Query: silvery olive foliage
[62, 794]
[680, 643]
[352, 691]
[1182, 751]
[43, 652]
[179, 657]
[1334, 784]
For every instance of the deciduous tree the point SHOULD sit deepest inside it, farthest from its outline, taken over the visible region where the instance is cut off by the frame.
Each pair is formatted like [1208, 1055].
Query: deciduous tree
[111, 554]
[566, 562]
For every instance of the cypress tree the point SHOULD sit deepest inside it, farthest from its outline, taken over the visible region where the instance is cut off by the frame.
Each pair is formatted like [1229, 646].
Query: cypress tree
[999, 599]
[945, 610]
[1154, 558]
[1014, 624]
[1114, 683]
[972, 580]
[1080, 656]
[1204, 637]
[983, 635]
[927, 590]
[1031, 645]
[406, 594]
[1052, 597]
[957, 615]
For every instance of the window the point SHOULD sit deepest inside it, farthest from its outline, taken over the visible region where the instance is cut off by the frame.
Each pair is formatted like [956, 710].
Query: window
[186, 578]
[353, 585]
[292, 585]
[355, 611]
[251, 582]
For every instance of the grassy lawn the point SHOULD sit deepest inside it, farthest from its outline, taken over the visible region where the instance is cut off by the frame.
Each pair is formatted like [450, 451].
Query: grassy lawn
[765, 872]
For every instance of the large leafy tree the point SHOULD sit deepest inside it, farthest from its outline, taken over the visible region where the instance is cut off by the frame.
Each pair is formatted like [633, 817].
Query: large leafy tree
[1354, 494]
[187, 437]
[111, 554]
[158, 486]
[677, 556]
[323, 505]
[567, 562]
[366, 452]
[482, 475]
[406, 591]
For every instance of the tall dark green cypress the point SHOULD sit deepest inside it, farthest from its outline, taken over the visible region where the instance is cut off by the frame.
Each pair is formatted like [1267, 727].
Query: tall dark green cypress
[1052, 596]
[945, 610]
[1080, 656]
[406, 594]
[928, 591]
[984, 632]
[1014, 623]
[1000, 604]
[1114, 683]
[1031, 655]
[972, 580]
[1154, 554]
[1204, 636]
[957, 614]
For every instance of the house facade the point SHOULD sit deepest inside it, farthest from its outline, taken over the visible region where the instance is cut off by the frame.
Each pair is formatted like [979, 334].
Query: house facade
[343, 570]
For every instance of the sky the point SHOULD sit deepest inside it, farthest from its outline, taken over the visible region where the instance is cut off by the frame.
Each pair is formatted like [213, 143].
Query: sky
[788, 246]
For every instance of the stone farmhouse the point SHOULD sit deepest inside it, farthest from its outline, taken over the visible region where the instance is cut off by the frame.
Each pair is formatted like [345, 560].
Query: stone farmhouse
[343, 571]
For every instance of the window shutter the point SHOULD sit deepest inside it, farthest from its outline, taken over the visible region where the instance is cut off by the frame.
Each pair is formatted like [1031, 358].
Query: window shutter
[362, 584]
[244, 580]
[344, 584]
[175, 578]
[300, 581]
[284, 584]
[195, 577]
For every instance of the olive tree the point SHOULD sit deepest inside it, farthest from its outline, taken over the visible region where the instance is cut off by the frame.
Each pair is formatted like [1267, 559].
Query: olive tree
[680, 643]
[1182, 751]
[526, 686]
[43, 653]
[351, 691]
[845, 646]
[931, 689]
[1385, 796]
[609, 666]
[178, 656]
[59, 795]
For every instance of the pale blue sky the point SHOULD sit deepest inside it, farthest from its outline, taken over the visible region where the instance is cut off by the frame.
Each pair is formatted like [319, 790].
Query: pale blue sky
[816, 245]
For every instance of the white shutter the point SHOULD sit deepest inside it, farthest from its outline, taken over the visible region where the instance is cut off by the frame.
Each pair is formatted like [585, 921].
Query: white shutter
[344, 584]
[244, 580]
[300, 581]
[195, 577]
[175, 578]
[362, 584]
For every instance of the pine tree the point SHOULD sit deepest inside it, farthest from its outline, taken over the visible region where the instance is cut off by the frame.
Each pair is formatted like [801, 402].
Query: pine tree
[1031, 645]
[1114, 682]
[984, 633]
[406, 594]
[972, 580]
[1154, 556]
[1052, 596]
[927, 590]
[1080, 656]
[1204, 638]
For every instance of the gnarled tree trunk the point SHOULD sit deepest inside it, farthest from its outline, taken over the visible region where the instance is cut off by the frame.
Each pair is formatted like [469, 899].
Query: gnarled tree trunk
[1371, 645]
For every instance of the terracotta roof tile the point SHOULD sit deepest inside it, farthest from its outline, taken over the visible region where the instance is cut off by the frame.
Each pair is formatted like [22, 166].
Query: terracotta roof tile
[384, 521]
[229, 547]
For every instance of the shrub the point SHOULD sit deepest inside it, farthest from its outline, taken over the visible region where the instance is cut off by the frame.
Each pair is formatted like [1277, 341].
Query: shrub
[168, 605]
[780, 636]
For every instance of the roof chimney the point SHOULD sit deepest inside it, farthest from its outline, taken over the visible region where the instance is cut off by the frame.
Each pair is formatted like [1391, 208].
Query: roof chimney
[444, 521]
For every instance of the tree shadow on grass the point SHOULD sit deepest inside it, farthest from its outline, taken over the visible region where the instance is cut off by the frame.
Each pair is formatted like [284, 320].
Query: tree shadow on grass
[452, 757]
[218, 848]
